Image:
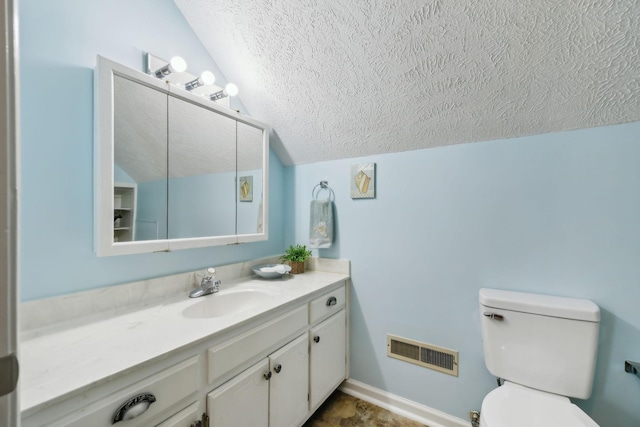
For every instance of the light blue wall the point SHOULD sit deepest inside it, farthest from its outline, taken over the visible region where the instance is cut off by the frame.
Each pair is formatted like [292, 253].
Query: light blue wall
[59, 41]
[151, 207]
[203, 205]
[119, 175]
[555, 214]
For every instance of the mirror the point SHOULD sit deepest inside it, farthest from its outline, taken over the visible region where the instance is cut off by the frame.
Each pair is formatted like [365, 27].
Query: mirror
[202, 171]
[173, 170]
[250, 203]
[140, 162]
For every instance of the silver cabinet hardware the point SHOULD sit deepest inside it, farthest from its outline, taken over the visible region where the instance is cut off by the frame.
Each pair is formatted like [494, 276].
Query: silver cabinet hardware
[316, 338]
[277, 368]
[9, 371]
[267, 375]
[494, 316]
[134, 407]
[332, 301]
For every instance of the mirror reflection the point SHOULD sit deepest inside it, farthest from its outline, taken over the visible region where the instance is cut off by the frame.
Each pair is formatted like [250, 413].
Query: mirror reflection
[249, 186]
[202, 171]
[140, 156]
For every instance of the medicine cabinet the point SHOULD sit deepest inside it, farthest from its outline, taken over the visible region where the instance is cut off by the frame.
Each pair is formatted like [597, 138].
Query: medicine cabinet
[173, 170]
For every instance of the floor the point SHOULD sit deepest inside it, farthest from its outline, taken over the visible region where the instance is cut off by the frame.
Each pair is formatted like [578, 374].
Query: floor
[343, 410]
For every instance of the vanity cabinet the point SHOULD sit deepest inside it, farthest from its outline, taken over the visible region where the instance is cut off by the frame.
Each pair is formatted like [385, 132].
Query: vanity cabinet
[188, 417]
[272, 369]
[273, 392]
[161, 391]
[285, 388]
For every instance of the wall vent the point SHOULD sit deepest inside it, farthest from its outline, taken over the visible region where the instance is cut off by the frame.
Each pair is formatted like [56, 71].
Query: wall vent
[427, 355]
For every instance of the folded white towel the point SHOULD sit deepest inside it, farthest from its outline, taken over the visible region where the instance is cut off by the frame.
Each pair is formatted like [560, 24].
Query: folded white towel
[275, 269]
[321, 224]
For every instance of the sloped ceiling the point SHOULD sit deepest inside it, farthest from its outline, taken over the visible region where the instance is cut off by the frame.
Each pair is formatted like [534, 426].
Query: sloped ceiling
[201, 142]
[339, 79]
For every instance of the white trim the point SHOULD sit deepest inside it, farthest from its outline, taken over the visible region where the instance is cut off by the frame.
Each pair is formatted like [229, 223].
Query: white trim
[401, 406]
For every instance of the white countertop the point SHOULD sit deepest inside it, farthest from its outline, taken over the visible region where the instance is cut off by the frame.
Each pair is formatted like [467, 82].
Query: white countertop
[76, 357]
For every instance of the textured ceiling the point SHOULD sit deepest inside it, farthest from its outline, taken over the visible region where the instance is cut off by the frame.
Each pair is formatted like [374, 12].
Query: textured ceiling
[339, 79]
[200, 141]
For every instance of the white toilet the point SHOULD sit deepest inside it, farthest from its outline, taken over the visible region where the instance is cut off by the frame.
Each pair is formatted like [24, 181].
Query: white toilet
[544, 348]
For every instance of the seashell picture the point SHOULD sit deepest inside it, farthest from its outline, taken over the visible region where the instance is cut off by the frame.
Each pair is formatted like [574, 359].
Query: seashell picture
[363, 181]
[246, 188]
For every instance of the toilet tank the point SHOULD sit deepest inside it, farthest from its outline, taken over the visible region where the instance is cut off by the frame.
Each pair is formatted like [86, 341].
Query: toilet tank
[544, 342]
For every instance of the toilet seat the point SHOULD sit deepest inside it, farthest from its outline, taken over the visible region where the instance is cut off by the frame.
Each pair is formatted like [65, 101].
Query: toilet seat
[514, 405]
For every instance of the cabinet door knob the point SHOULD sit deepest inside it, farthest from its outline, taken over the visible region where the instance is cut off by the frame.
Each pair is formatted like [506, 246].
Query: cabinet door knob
[316, 338]
[332, 301]
[277, 368]
[267, 375]
[133, 407]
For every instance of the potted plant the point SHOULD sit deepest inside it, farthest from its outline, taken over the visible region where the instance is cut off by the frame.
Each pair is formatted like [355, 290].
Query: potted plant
[295, 256]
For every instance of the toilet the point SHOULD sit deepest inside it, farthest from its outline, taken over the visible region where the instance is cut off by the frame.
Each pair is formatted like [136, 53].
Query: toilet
[544, 349]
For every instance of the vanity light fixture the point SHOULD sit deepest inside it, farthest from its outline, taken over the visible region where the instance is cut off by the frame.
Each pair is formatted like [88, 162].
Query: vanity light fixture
[229, 90]
[176, 65]
[206, 78]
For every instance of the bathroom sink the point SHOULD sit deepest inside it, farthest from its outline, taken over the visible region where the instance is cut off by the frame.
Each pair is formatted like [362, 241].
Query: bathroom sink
[227, 302]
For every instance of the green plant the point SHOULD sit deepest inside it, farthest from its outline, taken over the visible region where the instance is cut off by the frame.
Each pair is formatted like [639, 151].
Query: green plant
[299, 253]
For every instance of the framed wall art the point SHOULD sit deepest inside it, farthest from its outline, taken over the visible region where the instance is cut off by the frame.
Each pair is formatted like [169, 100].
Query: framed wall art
[246, 189]
[363, 181]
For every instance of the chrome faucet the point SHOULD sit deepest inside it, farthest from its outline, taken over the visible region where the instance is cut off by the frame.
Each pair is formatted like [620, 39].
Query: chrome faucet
[207, 285]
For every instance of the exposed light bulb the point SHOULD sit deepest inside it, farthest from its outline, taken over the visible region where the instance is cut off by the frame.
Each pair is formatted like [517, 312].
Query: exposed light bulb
[177, 64]
[231, 89]
[207, 78]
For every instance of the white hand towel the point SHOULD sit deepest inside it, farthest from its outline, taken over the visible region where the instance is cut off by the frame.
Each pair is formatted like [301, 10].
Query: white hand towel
[321, 224]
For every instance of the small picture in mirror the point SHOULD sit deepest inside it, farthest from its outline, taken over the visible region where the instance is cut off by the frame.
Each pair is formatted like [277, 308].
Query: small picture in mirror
[246, 189]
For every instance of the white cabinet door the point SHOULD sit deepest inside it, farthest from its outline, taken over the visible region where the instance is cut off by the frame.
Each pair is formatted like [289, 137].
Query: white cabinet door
[288, 398]
[328, 357]
[243, 401]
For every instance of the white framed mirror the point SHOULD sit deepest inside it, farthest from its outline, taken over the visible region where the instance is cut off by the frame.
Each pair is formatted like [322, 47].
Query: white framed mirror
[173, 170]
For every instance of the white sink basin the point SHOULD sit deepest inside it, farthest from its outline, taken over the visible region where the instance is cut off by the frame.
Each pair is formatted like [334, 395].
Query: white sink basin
[228, 302]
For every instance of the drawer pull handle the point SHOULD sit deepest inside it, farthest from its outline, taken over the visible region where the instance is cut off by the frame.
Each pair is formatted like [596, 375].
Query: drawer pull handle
[267, 375]
[332, 301]
[277, 368]
[316, 338]
[134, 407]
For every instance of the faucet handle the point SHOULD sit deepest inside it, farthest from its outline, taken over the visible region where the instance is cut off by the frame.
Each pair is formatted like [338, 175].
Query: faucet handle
[210, 273]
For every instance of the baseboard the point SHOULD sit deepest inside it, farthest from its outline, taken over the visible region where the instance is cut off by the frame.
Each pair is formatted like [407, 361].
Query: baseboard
[401, 406]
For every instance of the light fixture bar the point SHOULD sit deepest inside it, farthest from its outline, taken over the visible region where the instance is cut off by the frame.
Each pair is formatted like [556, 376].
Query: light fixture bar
[206, 78]
[176, 65]
[229, 90]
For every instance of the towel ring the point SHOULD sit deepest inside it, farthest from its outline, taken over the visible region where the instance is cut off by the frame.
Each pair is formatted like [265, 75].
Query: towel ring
[324, 185]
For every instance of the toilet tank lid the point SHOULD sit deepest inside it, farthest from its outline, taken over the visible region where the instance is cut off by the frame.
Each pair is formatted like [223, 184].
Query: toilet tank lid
[546, 305]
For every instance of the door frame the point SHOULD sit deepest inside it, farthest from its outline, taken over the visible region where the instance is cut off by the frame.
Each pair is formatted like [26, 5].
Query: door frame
[9, 200]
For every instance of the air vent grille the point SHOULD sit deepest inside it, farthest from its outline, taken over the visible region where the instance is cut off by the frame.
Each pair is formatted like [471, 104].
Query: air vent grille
[405, 349]
[427, 355]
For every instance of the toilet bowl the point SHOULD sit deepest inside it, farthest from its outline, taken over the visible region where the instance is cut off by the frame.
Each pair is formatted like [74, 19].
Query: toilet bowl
[544, 348]
[513, 405]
